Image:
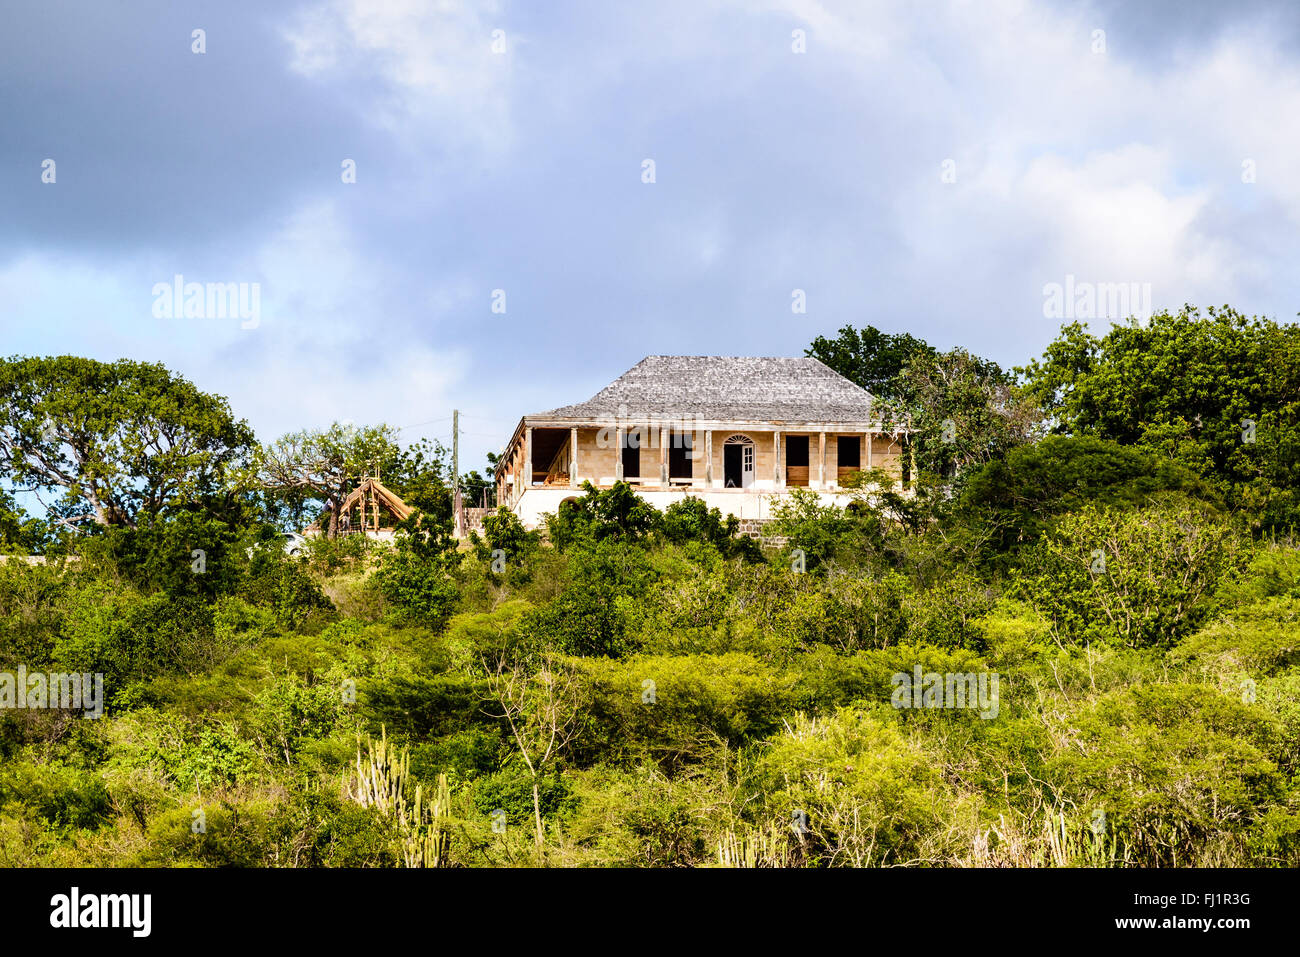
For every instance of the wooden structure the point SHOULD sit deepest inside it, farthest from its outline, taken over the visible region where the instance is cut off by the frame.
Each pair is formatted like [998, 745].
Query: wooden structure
[367, 499]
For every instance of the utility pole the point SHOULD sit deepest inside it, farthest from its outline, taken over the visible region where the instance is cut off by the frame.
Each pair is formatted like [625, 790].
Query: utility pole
[455, 473]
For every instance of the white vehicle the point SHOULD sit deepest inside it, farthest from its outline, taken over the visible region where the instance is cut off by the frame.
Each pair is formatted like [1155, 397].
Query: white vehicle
[294, 544]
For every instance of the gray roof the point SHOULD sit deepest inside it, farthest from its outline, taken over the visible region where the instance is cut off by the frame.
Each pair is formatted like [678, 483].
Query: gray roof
[741, 388]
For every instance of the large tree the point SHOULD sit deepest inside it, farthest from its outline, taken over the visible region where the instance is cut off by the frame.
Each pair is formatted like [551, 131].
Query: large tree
[869, 357]
[953, 409]
[959, 411]
[118, 441]
[1219, 393]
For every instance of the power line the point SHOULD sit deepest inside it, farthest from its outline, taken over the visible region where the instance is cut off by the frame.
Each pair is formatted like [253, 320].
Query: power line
[403, 428]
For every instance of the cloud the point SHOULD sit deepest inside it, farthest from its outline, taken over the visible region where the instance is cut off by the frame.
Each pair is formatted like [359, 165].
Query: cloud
[435, 62]
[521, 170]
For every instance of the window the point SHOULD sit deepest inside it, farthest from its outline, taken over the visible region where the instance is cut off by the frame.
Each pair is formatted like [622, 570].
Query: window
[796, 461]
[848, 450]
[632, 440]
[679, 455]
[796, 451]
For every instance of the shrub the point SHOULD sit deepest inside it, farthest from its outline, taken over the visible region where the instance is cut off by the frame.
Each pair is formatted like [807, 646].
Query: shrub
[1138, 577]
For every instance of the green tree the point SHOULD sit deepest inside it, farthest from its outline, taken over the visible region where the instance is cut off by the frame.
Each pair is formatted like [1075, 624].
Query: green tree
[958, 411]
[1219, 393]
[1139, 577]
[690, 520]
[1007, 504]
[873, 359]
[616, 513]
[124, 439]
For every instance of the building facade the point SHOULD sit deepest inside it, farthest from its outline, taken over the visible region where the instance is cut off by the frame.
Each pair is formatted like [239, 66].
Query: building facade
[737, 432]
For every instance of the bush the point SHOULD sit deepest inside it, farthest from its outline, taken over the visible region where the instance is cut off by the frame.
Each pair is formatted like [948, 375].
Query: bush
[616, 513]
[861, 794]
[1138, 577]
[690, 520]
[131, 639]
[416, 577]
[1180, 770]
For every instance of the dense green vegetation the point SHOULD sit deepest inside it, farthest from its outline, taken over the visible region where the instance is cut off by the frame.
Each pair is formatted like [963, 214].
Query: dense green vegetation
[1098, 531]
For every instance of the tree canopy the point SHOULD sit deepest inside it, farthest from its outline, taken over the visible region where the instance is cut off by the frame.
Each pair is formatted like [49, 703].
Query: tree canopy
[118, 440]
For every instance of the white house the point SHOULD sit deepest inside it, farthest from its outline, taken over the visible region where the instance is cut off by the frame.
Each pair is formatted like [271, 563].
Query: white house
[737, 432]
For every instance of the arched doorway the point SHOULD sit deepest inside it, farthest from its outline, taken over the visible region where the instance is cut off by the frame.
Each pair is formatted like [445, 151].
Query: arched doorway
[738, 462]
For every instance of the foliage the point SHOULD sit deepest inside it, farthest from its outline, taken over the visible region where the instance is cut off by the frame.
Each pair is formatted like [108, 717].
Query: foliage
[616, 513]
[654, 689]
[127, 440]
[1139, 577]
[1219, 393]
[325, 465]
[873, 359]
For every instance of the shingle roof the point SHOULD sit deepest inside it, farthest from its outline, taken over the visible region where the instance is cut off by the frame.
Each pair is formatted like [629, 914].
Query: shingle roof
[727, 387]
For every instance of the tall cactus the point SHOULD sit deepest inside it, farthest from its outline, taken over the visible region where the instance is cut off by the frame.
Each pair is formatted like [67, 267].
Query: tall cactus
[755, 847]
[381, 780]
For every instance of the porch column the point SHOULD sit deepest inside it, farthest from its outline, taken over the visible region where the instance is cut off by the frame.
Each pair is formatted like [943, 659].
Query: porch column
[708, 458]
[821, 459]
[573, 458]
[528, 457]
[868, 450]
[778, 467]
[619, 438]
[663, 457]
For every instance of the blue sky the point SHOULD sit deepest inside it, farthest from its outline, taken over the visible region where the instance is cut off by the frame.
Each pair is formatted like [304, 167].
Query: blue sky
[521, 170]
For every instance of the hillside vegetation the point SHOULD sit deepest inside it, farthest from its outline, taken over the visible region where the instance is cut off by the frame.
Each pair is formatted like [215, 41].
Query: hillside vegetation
[1097, 541]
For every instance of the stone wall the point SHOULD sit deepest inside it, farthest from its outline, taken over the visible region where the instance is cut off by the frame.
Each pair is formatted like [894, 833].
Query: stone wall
[754, 528]
[474, 519]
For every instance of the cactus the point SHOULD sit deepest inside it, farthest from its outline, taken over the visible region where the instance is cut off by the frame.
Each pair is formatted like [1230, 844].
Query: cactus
[381, 780]
[757, 847]
[426, 835]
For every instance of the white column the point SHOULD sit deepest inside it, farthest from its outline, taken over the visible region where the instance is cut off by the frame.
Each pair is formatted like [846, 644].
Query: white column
[778, 467]
[663, 456]
[573, 458]
[708, 459]
[821, 459]
[619, 436]
[528, 457]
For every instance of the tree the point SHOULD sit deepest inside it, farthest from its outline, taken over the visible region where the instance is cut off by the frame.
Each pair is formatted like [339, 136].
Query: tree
[122, 440]
[690, 520]
[326, 465]
[616, 513]
[959, 411]
[1139, 577]
[541, 712]
[1007, 503]
[479, 490]
[1219, 393]
[420, 474]
[416, 575]
[954, 409]
[18, 531]
[869, 357]
[503, 530]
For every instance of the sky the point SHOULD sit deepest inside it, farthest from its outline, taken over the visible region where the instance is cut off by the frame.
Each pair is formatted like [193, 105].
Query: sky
[545, 193]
